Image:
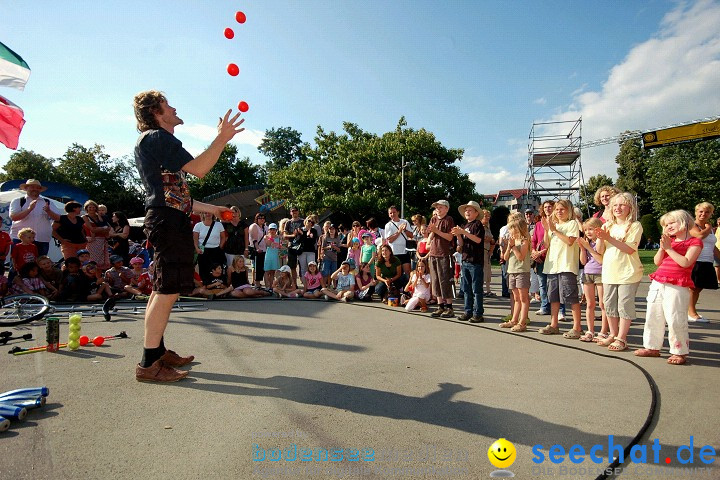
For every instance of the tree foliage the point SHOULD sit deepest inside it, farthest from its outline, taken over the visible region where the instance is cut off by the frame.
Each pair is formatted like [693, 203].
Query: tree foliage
[25, 164]
[282, 146]
[651, 227]
[229, 172]
[587, 195]
[359, 173]
[633, 163]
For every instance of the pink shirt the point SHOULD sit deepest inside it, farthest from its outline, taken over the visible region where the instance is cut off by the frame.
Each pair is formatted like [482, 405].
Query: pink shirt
[313, 281]
[670, 272]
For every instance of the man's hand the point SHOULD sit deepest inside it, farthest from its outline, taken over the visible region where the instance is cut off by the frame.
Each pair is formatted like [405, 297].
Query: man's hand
[229, 127]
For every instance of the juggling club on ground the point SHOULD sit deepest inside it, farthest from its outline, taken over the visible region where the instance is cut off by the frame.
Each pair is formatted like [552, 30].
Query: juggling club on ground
[5, 340]
[11, 411]
[4, 424]
[30, 391]
[24, 401]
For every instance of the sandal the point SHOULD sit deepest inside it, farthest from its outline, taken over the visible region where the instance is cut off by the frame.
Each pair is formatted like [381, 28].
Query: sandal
[646, 352]
[677, 359]
[520, 327]
[605, 342]
[572, 334]
[508, 324]
[549, 330]
[587, 337]
[600, 337]
[618, 345]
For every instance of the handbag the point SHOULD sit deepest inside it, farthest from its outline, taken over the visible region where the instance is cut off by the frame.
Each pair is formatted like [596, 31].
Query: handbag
[410, 243]
[202, 247]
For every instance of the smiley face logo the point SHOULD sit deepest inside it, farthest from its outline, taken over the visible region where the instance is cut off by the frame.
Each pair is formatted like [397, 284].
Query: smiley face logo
[501, 453]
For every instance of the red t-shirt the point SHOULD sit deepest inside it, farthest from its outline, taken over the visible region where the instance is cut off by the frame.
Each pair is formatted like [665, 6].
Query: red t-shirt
[22, 254]
[5, 241]
[670, 272]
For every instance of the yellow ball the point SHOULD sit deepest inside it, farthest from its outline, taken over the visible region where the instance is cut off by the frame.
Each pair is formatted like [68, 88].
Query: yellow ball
[502, 453]
[72, 336]
[75, 318]
[73, 344]
[75, 327]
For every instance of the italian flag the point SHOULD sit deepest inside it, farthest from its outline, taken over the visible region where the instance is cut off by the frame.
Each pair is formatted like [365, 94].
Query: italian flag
[11, 123]
[14, 72]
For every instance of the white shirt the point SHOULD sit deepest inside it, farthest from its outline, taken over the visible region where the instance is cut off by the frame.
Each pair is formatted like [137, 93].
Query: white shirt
[213, 239]
[37, 219]
[391, 228]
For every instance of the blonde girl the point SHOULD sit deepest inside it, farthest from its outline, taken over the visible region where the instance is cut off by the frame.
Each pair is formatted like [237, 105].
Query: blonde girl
[602, 200]
[592, 280]
[237, 277]
[419, 284]
[313, 282]
[517, 256]
[669, 293]
[621, 268]
[561, 267]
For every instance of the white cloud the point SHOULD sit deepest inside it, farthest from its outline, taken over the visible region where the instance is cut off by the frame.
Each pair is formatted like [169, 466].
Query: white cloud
[207, 133]
[540, 101]
[493, 181]
[670, 78]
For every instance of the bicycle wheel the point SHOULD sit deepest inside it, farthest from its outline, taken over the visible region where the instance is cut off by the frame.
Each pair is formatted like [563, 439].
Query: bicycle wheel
[19, 309]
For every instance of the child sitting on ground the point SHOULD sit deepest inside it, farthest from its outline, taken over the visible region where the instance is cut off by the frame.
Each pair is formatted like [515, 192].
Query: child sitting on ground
[345, 284]
[214, 284]
[137, 270]
[28, 281]
[313, 282]
[25, 251]
[364, 283]
[237, 277]
[74, 286]
[118, 277]
[284, 286]
[99, 289]
[50, 274]
[419, 285]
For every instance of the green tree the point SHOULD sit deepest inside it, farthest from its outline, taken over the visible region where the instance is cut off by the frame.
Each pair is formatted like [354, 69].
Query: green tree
[587, 194]
[633, 163]
[651, 227]
[684, 175]
[358, 173]
[25, 164]
[112, 182]
[229, 172]
[282, 146]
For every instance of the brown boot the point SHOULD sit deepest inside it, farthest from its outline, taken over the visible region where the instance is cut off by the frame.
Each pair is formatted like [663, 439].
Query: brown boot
[158, 372]
[172, 359]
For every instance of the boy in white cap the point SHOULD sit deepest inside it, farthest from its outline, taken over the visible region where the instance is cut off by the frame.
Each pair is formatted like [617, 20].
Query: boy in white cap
[440, 243]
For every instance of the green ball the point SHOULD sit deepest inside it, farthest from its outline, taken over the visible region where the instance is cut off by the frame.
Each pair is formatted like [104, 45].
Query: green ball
[73, 344]
[75, 318]
[73, 336]
[75, 327]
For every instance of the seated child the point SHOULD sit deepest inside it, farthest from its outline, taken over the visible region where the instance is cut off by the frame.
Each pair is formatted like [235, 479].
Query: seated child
[145, 281]
[29, 281]
[213, 285]
[50, 274]
[419, 285]
[365, 283]
[313, 282]
[99, 290]
[84, 256]
[118, 277]
[238, 278]
[25, 251]
[74, 286]
[136, 271]
[345, 284]
[283, 286]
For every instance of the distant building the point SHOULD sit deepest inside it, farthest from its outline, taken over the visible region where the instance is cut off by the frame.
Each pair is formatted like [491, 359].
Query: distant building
[516, 199]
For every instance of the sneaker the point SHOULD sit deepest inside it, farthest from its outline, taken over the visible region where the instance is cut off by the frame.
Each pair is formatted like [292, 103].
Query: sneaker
[465, 317]
[172, 359]
[561, 317]
[158, 372]
[448, 313]
[326, 298]
[438, 312]
[542, 312]
[477, 319]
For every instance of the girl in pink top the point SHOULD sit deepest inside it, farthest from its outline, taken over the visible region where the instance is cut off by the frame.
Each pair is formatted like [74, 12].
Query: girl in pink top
[669, 293]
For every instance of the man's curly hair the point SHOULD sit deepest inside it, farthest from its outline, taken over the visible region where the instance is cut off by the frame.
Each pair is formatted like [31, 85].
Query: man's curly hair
[146, 104]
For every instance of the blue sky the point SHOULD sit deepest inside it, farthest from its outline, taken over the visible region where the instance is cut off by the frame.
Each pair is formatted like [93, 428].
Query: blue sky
[475, 73]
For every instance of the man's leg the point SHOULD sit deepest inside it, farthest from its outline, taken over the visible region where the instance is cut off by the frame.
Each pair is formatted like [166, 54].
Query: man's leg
[43, 248]
[476, 284]
[157, 315]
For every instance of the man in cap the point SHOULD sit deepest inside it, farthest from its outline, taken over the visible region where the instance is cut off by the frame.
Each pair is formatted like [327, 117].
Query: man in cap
[163, 163]
[33, 211]
[440, 243]
[470, 238]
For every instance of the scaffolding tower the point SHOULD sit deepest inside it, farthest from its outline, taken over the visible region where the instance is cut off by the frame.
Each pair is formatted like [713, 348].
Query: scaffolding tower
[554, 166]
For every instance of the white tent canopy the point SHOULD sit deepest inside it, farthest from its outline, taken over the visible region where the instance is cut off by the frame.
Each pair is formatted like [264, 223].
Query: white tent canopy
[9, 196]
